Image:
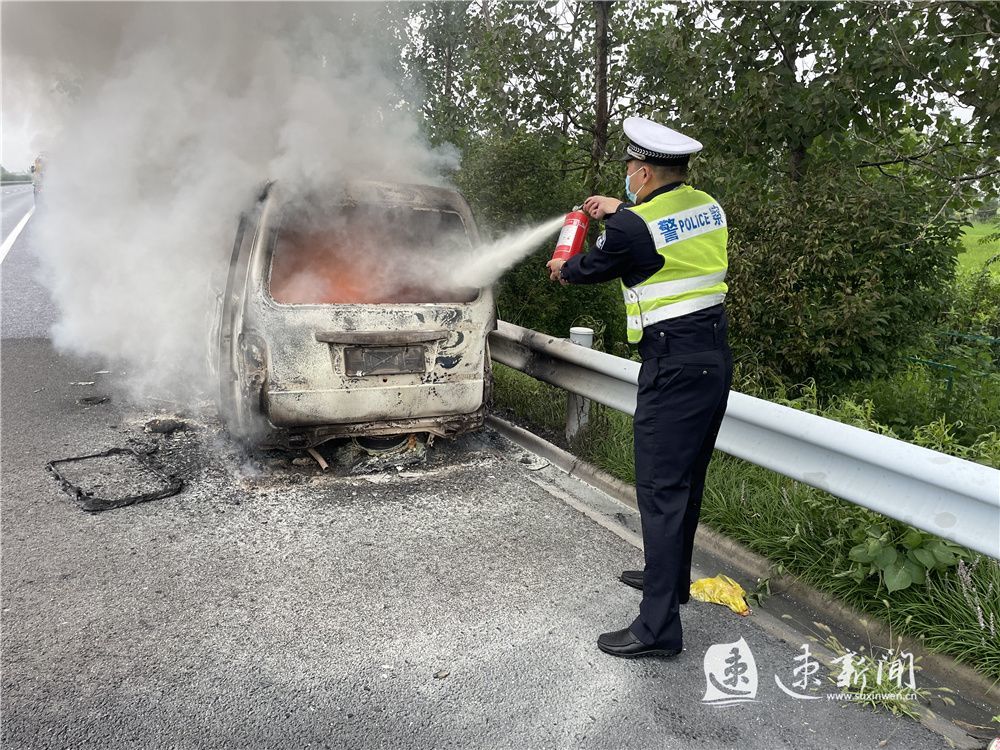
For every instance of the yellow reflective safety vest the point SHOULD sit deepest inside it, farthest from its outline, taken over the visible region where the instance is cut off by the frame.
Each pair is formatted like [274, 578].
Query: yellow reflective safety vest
[688, 228]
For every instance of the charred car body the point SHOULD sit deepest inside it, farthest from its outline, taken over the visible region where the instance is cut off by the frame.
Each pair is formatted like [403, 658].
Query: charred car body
[337, 319]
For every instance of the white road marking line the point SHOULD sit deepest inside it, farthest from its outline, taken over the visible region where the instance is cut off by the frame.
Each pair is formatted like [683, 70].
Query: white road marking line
[9, 242]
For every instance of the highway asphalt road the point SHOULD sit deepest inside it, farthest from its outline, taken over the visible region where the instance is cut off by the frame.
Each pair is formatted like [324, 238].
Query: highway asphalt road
[25, 307]
[15, 201]
[270, 605]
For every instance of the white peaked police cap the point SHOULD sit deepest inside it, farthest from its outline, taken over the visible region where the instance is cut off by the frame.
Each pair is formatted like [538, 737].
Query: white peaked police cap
[657, 144]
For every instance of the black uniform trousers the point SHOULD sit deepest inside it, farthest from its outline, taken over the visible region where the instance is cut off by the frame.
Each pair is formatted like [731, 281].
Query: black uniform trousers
[684, 382]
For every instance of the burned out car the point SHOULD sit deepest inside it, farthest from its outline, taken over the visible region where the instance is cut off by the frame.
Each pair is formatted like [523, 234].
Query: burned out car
[340, 317]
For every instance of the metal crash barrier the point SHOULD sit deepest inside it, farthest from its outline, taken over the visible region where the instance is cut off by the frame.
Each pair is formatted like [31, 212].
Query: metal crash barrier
[953, 498]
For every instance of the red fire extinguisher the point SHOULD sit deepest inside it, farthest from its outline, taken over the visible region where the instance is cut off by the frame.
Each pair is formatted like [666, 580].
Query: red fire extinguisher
[574, 231]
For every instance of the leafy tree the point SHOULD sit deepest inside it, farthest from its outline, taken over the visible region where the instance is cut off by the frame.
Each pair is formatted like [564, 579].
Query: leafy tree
[517, 181]
[831, 140]
[762, 81]
[830, 133]
[511, 66]
[8, 176]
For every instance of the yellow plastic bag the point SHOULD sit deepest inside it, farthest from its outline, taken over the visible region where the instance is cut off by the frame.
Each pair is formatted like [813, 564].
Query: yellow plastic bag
[721, 590]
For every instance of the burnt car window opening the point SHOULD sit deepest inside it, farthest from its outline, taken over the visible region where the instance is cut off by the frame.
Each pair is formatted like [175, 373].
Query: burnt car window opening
[365, 254]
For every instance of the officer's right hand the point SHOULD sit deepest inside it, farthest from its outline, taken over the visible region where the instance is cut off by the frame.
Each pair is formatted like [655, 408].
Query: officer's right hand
[555, 266]
[599, 206]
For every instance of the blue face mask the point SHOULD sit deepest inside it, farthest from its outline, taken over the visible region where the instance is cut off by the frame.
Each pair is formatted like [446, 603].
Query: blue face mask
[633, 197]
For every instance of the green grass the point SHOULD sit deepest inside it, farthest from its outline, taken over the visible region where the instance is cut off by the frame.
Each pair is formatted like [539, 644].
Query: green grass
[804, 531]
[976, 252]
[529, 401]
[811, 534]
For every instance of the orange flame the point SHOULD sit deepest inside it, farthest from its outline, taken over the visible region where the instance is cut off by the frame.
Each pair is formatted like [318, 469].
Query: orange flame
[334, 267]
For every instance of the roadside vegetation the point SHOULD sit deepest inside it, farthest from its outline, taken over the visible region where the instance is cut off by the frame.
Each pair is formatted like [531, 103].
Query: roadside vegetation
[923, 586]
[944, 396]
[13, 177]
[981, 243]
[855, 198]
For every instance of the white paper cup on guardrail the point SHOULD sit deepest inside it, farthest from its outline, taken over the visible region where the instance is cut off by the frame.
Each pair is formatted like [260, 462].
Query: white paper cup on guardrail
[582, 335]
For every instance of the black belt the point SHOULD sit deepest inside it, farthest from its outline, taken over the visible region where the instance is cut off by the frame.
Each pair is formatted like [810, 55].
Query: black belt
[695, 332]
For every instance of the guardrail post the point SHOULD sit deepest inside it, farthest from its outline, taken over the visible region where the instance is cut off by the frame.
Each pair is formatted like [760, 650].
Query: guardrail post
[578, 407]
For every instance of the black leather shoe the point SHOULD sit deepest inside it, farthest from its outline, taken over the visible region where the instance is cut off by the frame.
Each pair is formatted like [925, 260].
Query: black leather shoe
[633, 578]
[623, 643]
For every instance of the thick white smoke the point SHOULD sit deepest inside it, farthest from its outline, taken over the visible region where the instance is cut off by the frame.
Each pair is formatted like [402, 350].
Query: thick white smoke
[162, 122]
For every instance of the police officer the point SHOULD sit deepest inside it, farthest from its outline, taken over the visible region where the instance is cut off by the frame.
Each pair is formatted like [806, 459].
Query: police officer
[668, 247]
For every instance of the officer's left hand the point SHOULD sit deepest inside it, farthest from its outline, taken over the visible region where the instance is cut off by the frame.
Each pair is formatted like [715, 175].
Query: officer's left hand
[600, 206]
[555, 266]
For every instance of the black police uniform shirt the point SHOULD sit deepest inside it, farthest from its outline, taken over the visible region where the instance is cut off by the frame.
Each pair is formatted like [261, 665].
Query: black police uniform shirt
[626, 251]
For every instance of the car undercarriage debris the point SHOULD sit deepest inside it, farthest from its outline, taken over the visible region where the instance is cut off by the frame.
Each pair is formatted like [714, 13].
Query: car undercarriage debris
[372, 455]
[318, 458]
[112, 479]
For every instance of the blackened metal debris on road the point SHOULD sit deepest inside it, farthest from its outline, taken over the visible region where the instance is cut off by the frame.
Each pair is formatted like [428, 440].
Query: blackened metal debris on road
[165, 425]
[112, 479]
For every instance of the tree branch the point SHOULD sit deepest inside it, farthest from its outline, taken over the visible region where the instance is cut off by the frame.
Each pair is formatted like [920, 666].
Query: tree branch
[914, 157]
[981, 175]
[545, 90]
[779, 45]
